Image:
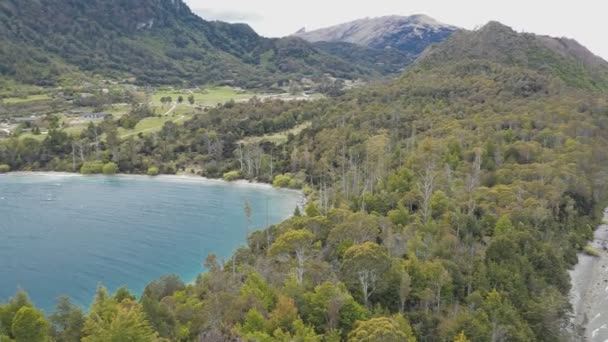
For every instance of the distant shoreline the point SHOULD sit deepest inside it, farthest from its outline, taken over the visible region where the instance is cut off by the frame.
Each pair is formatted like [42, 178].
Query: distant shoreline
[178, 177]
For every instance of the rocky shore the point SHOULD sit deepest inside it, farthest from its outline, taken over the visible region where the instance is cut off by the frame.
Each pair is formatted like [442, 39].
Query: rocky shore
[589, 294]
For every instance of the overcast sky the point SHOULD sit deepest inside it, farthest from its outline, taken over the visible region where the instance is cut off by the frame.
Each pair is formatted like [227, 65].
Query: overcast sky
[583, 20]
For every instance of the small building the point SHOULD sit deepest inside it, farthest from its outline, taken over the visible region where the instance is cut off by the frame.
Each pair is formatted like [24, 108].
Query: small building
[25, 119]
[95, 116]
[77, 112]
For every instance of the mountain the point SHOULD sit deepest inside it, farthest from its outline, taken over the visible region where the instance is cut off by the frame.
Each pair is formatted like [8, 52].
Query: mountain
[154, 41]
[560, 58]
[410, 35]
[384, 61]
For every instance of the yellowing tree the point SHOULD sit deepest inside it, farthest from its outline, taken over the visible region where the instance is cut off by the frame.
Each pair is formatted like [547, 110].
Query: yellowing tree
[461, 338]
[385, 329]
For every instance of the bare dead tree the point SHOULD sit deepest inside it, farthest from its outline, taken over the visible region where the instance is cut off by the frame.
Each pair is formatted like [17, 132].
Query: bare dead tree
[473, 181]
[427, 187]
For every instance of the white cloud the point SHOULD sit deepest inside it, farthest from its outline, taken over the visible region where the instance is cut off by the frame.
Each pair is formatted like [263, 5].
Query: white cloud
[582, 20]
[228, 15]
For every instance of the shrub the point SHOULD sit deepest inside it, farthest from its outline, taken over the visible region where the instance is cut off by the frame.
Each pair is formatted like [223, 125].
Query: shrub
[281, 181]
[295, 183]
[286, 181]
[153, 171]
[591, 251]
[232, 176]
[110, 169]
[4, 168]
[91, 168]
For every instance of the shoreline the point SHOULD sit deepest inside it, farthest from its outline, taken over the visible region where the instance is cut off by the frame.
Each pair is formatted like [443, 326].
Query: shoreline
[176, 177]
[163, 177]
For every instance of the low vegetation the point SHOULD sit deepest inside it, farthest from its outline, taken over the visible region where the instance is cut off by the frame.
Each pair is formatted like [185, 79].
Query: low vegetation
[92, 168]
[110, 169]
[231, 176]
[591, 251]
[287, 181]
[153, 171]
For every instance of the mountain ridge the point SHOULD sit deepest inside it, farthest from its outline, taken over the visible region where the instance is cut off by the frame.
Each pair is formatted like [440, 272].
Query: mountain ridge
[495, 42]
[411, 34]
[155, 41]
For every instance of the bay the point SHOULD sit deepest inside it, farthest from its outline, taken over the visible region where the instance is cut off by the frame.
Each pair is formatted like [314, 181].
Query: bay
[63, 234]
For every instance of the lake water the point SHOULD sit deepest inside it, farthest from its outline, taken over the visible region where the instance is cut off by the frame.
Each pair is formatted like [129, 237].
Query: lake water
[65, 234]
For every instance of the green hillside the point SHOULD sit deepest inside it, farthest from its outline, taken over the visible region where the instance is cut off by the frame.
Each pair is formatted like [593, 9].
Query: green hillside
[154, 41]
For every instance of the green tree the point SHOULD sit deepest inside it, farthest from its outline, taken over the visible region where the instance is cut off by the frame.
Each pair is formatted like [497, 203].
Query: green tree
[297, 244]
[254, 322]
[90, 168]
[191, 99]
[153, 171]
[9, 310]
[364, 267]
[110, 168]
[29, 325]
[112, 321]
[67, 321]
[332, 307]
[257, 291]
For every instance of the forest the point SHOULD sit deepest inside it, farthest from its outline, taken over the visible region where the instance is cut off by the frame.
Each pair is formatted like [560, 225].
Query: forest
[446, 205]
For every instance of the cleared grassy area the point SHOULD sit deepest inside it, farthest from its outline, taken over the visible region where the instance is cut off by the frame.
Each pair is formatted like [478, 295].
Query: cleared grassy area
[151, 124]
[210, 97]
[38, 137]
[279, 137]
[14, 100]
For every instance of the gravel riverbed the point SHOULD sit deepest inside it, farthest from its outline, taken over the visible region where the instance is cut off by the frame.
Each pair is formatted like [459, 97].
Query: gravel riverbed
[589, 294]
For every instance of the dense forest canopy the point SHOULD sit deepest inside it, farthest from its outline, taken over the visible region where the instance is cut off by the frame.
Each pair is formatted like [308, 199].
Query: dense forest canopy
[444, 206]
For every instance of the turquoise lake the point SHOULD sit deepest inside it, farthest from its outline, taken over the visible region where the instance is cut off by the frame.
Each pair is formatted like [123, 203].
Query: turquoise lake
[64, 234]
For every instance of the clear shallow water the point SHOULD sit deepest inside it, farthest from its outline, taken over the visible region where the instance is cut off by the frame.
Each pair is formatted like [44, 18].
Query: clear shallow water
[65, 234]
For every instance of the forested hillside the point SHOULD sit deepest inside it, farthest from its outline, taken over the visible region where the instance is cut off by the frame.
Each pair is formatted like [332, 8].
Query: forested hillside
[444, 206]
[154, 41]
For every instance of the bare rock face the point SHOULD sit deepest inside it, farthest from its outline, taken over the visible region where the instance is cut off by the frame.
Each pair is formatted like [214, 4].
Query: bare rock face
[407, 34]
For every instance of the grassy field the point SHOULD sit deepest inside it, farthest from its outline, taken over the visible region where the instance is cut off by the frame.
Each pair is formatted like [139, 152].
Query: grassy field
[38, 137]
[179, 114]
[279, 137]
[14, 100]
[210, 97]
[152, 124]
